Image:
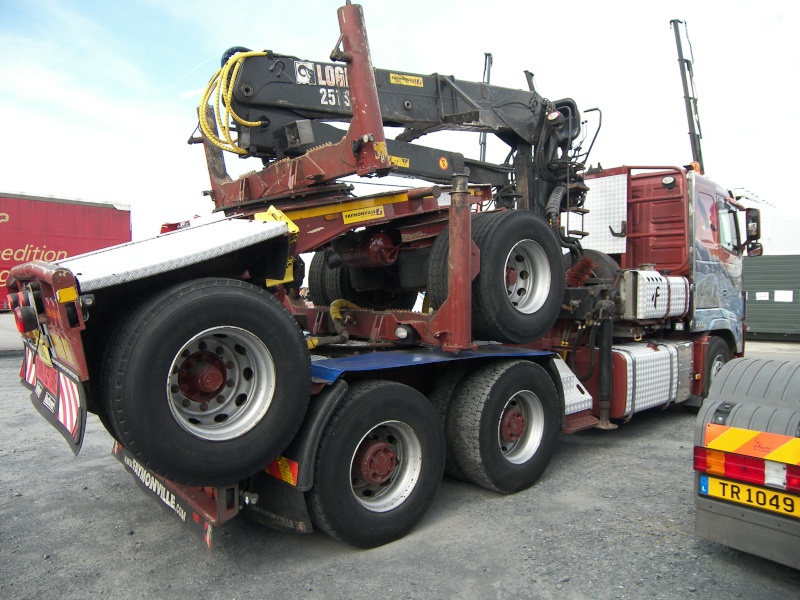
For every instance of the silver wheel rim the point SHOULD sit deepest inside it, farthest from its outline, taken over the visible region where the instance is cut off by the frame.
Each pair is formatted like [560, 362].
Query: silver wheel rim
[407, 450]
[242, 365]
[521, 450]
[527, 276]
[716, 366]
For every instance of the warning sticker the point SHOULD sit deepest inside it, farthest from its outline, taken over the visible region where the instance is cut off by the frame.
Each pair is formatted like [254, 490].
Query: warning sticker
[363, 214]
[443, 163]
[411, 80]
[399, 161]
[381, 153]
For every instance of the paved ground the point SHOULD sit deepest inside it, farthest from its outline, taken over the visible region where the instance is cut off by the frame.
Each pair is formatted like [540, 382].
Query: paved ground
[613, 517]
[9, 338]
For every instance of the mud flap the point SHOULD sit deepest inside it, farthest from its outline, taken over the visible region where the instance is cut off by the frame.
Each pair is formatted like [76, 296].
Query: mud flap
[199, 509]
[56, 393]
[278, 504]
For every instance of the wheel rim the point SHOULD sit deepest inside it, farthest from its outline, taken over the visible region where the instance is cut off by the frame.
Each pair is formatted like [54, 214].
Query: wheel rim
[521, 427]
[221, 383]
[386, 466]
[527, 276]
[716, 366]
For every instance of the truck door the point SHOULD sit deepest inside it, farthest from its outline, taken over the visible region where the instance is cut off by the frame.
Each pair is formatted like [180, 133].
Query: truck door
[717, 264]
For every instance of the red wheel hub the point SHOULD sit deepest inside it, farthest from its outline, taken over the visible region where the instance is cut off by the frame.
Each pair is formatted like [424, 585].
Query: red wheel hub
[512, 425]
[202, 376]
[511, 277]
[374, 462]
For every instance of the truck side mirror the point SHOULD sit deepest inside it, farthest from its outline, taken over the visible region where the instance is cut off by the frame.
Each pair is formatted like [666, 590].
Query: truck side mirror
[755, 249]
[753, 220]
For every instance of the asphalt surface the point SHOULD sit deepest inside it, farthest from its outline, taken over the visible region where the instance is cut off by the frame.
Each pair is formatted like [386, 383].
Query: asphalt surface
[612, 517]
[9, 337]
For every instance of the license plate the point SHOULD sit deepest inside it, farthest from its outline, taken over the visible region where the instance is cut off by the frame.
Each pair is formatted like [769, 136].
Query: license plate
[773, 501]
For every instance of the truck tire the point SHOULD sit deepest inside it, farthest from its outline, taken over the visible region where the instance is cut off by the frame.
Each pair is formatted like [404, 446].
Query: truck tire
[605, 266]
[441, 397]
[504, 425]
[328, 284]
[210, 381]
[517, 295]
[718, 354]
[316, 280]
[438, 275]
[378, 465]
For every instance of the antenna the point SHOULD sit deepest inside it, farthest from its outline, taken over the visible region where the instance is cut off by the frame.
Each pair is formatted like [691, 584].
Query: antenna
[689, 94]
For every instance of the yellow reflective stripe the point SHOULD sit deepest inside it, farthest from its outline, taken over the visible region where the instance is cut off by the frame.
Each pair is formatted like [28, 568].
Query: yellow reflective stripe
[732, 440]
[286, 470]
[789, 453]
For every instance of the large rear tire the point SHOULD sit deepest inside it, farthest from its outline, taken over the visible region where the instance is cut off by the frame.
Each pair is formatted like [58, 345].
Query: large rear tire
[504, 423]
[210, 381]
[378, 465]
[441, 398]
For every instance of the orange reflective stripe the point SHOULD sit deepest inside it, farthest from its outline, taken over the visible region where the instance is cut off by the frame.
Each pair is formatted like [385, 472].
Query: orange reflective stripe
[758, 444]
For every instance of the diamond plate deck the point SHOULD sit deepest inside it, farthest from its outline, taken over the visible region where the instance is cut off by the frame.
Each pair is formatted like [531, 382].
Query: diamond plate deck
[167, 252]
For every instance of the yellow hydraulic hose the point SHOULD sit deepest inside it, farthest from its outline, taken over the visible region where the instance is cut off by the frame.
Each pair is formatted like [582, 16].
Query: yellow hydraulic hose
[221, 86]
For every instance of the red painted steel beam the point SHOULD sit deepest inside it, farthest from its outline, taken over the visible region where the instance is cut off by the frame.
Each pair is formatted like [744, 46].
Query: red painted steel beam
[452, 325]
[362, 150]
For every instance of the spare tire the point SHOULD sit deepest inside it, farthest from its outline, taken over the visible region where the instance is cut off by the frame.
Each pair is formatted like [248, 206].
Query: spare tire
[210, 381]
[605, 266]
[517, 295]
[333, 283]
[316, 280]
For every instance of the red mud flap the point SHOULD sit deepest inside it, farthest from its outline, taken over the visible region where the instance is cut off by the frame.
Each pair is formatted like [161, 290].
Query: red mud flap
[56, 393]
[200, 509]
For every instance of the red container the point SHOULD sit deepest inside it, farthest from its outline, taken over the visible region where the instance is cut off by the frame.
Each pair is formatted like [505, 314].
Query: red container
[51, 229]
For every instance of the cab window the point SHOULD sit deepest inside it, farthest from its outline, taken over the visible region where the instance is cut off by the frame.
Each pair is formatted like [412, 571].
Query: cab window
[728, 233]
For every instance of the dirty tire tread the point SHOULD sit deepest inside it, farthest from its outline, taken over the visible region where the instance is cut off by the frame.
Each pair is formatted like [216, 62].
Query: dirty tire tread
[437, 269]
[466, 418]
[320, 508]
[316, 280]
[106, 370]
[441, 398]
[438, 284]
[122, 354]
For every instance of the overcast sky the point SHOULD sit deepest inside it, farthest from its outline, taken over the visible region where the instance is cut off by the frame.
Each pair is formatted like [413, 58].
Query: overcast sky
[98, 97]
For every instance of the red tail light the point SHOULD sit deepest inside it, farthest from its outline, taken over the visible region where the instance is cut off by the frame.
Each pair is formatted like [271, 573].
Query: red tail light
[793, 478]
[744, 468]
[700, 459]
[25, 319]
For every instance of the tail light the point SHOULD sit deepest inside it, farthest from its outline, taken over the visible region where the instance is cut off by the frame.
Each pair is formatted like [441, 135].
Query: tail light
[25, 319]
[793, 479]
[747, 469]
